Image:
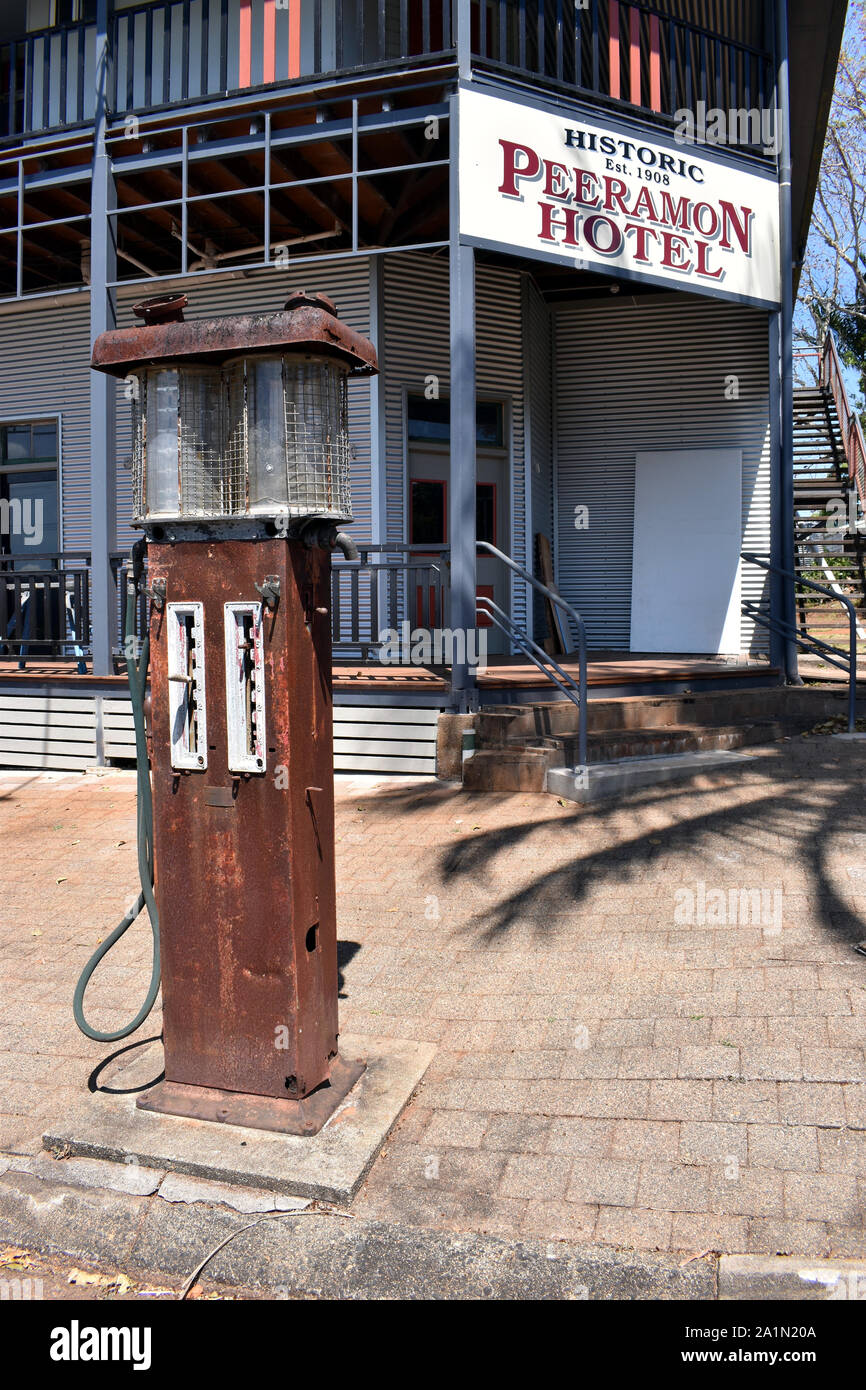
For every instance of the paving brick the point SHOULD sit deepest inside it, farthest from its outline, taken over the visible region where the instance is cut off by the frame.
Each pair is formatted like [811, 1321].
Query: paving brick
[770, 1063]
[823, 1197]
[846, 1242]
[568, 1221]
[699, 1231]
[834, 1064]
[634, 1228]
[842, 1150]
[791, 1147]
[638, 1139]
[605, 1181]
[578, 1137]
[672, 1186]
[537, 1177]
[454, 1129]
[680, 1100]
[745, 1100]
[809, 1103]
[771, 1236]
[752, 1192]
[712, 1143]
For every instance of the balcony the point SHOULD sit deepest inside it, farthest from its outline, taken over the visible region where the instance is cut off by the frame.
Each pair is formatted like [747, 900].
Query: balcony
[175, 52]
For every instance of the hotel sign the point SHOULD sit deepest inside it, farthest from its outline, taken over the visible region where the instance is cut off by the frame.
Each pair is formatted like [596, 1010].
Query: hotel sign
[607, 198]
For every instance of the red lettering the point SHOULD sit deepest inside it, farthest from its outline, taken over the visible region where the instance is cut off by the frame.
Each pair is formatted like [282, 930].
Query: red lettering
[513, 171]
[741, 227]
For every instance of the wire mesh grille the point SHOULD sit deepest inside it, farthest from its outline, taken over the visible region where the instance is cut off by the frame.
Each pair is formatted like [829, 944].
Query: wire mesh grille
[261, 437]
[317, 440]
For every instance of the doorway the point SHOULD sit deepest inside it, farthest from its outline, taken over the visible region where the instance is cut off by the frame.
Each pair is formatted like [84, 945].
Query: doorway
[428, 492]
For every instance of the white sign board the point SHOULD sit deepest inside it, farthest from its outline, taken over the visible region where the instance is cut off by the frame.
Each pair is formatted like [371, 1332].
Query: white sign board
[605, 197]
[688, 532]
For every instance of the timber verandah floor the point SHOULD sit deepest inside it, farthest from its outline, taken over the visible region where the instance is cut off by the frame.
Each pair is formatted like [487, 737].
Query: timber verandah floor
[503, 675]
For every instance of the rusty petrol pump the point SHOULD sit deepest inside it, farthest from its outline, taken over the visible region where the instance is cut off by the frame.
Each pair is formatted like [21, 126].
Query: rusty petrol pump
[241, 483]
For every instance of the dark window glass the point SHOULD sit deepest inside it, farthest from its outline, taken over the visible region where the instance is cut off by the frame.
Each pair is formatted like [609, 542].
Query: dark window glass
[485, 512]
[431, 421]
[488, 415]
[29, 493]
[427, 521]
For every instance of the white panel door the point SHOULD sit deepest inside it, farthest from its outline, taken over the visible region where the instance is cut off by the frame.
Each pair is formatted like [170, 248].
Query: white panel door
[686, 559]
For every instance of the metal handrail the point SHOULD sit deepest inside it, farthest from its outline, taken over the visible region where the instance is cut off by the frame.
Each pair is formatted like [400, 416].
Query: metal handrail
[538, 657]
[834, 656]
[576, 619]
[849, 421]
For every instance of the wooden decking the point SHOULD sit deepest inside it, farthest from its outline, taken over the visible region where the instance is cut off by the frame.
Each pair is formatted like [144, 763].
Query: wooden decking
[604, 670]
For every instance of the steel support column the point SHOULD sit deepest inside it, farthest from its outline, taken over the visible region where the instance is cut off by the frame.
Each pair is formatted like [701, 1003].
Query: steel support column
[785, 458]
[461, 502]
[103, 391]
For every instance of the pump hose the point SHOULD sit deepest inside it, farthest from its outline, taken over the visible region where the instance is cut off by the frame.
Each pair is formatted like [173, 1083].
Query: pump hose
[136, 672]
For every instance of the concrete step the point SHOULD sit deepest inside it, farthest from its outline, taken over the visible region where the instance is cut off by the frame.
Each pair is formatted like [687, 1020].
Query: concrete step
[614, 745]
[524, 767]
[497, 726]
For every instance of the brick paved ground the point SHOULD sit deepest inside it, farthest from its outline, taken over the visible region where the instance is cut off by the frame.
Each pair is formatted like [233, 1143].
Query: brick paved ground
[627, 1054]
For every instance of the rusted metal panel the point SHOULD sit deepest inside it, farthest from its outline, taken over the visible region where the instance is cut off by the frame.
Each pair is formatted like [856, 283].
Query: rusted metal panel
[304, 1117]
[307, 324]
[245, 862]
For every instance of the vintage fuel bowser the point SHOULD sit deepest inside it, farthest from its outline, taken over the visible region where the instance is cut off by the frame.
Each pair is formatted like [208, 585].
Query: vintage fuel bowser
[241, 483]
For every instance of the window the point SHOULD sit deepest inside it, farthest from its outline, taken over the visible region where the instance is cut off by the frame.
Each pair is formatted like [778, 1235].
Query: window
[428, 521]
[430, 422]
[29, 511]
[70, 11]
[427, 515]
[485, 512]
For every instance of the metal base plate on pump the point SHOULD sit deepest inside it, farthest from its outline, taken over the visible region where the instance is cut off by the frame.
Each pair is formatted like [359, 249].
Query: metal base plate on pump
[285, 1116]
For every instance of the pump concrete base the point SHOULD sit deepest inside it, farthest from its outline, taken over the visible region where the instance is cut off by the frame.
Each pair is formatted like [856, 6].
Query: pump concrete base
[330, 1165]
[256, 1112]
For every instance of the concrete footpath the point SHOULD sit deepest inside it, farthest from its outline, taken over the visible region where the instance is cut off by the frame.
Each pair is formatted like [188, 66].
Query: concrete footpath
[646, 1021]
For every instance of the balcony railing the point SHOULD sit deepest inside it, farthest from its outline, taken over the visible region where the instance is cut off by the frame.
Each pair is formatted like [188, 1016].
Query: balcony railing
[628, 52]
[180, 50]
[169, 51]
[45, 607]
[47, 79]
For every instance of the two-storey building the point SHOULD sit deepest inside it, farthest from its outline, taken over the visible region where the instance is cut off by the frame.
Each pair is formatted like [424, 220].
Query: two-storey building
[572, 229]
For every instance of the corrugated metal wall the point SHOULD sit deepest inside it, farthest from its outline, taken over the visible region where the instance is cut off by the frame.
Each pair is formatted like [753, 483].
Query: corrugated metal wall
[644, 374]
[538, 354]
[44, 355]
[417, 346]
[346, 282]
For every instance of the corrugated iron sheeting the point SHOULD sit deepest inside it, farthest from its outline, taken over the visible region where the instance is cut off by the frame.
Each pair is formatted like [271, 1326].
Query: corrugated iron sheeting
[417, 346]
[639, 374]
[44, 352]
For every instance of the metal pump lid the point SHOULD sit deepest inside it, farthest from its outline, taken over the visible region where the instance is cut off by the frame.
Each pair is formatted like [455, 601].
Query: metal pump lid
[308, 323]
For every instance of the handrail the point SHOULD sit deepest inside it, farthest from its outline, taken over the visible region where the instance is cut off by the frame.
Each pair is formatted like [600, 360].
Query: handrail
[576, 619]
[814, 644]
[538, 657]
[852, 432]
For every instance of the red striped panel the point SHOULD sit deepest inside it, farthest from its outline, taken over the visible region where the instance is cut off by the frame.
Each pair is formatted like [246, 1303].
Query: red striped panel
[245, 44]
[294, 38]
[655, 63]
[269, 42]
[614, 48]
[634, 54]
